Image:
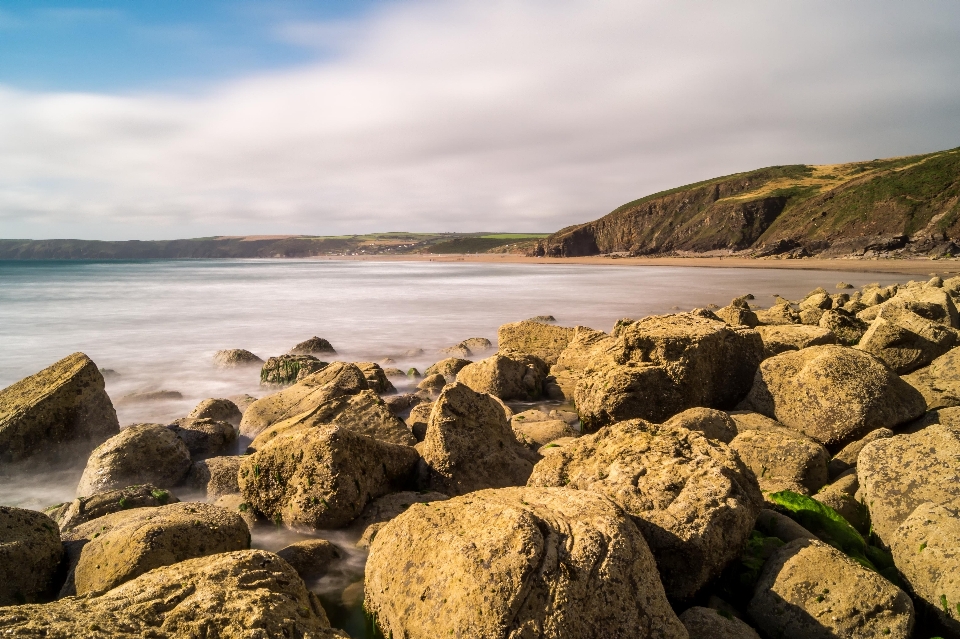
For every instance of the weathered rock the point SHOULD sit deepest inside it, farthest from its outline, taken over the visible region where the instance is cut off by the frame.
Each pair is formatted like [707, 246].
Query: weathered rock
[587, 348]
[63, 404]
[905, 341]
[234, 357]
[692, 498]
[940, 381]
[379, 512]
[447, 367]
[204, 437]
[847, 327]
[773, 524]
[748, 420]
[222, 410]
[313, 346]
[311, 558]
[324, 476]
[899, 473]
[477, 345]
[390, 371]
[811, 316]
[778, 314]
[242, 402]
[709, 623]
[215, 476]
[665, 364]
[418, 420]
[543, 341]
[84, 509]
[376, 379]
[783, 459]
[555, 446]
[932, 303]
[809, 590]
[535, 432]
[336, 380]
[832, 393]
[510, 562]
[398, 404]
[364, 413]
[506, 377]
[121, 546]
[711, 423]
[30, 553]
[458, 352]
[285, 370]
[251, 593]
[924, 550]
[149, 397]
[469, 445]
[140, 454]
[432, 383]
[738, 313]
[847, 457]
[235, 503]
[846, 505]
[819, 299]
[792, 337]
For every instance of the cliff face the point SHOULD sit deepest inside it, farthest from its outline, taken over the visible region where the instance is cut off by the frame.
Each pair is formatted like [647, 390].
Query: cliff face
[910, 203]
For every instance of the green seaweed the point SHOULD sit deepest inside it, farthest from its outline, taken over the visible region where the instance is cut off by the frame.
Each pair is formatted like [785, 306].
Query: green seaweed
[160, 495]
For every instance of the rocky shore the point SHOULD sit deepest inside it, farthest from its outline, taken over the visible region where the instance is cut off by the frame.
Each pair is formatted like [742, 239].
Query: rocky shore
[735, 472]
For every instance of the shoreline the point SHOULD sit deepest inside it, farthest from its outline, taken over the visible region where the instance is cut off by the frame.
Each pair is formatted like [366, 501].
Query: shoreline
[921, 267]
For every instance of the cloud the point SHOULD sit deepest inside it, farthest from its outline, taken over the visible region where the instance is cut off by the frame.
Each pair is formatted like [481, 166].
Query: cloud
[486, 116]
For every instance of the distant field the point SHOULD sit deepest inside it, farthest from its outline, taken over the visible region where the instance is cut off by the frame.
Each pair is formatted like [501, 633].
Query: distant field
[514, 236]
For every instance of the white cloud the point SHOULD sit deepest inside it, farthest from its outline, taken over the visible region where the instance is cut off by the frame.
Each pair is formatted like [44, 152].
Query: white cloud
[486, 115]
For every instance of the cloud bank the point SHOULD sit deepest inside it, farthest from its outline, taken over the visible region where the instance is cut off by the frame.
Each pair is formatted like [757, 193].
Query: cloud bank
[463, 116]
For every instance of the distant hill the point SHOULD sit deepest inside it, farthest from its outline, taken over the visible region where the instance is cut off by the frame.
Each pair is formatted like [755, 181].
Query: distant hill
[268, 246]
[908, 205]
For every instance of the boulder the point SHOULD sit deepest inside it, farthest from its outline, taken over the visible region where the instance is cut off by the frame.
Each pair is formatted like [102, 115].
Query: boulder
[447, 367]
[818, 299]
[847, 457]
[242, 402]
[516, 562]
[692, 498]
[418, 419]
[390, 371]
[313, 346]
[121, 546]
[432, 383]
[905, 341]
[899, 473]
[748, 420]
[364, 413]
[398, 404]
[924, 550]
[587, 348]
[379, 512]
[507, 377]
[809, 590]
[664, 364]
[842, 500]
[846, 326]
[792, 337]
[932, 303]
[833, 394]
[811, 316]
[707, 623]
[323, 477]
[738, 313]
[783, 459]
[774, 524]
[30, 553]
[222, 410]
[477, 345]
[235, 357]
[940, 381]
[711, 423]
[285, 370]
[63, 404]
[234, 503]
[84, 509]
[543, 341]
[469, 445]
[459, 351]
[778, 314]
[536, 433]
[140, 454]
[215, 476]
[376, 379]
[311, 558]
[250, 593]
[204, 437]
[336, 380]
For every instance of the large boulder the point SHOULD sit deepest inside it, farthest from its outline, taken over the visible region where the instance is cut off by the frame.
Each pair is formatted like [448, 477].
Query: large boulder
[63, 404]
[587, 348]
[469, 445]
[121, 546]
[377, 380]
[931, 302]
[704, 623]
[204, 437]
[848, 328]
[284, 370]
[905, 341]
[512, 376]
[709, 422]
[323, 477]
[924, 550]
[793, 337]
[140, 454]
[235, 357]
[899, 473]
[516, 562]
[664, 364]
[847, 457]
[336, 380]
[222, 410]
[30, 553]
[544, 341]
[780, 314]
[783, 459]
[833, 394]
[364, 413]
[692, 498]
[250, 593]
[939, 383]
[84, 509]
[809, 590]
[215, 476]
[313, 346]
[447, 367]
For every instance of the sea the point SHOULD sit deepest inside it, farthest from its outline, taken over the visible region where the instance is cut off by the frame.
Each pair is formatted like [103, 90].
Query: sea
[156, 325]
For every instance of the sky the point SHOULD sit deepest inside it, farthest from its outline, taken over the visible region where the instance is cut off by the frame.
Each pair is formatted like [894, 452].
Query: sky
[157, 120]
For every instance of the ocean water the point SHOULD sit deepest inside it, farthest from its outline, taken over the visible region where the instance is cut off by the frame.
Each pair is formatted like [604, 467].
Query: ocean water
[158, 324]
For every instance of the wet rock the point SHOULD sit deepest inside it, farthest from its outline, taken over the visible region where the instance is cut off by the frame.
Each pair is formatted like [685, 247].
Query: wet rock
[847, 457]
[783, 459]
[809, 590]
[376, 515]
[84, 509]
[847, 327]
[311, 558]
[432, 383]
[30, 553]
[221, 410]
[791, 337]
[285, 370]
[905, 341]
[469, 445]
[376, 378]
[497, 563]
[204, 437]
[313, 346]
[418, 420]
[235, 357]
[447, 367]
[711, 423]
[940, 381]
[692, 498]
[543, 341]
[61, 411]
[832, 394]
[251, 593]
[323, 477]
[899, 473]
[215, 476]
[140, 454]
[707, 622]
[506, 377]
